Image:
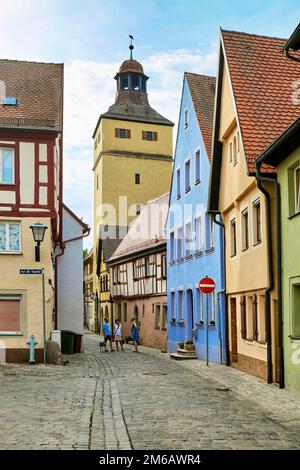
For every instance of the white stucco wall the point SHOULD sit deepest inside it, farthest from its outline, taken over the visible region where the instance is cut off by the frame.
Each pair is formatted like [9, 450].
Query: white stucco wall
[70, 278]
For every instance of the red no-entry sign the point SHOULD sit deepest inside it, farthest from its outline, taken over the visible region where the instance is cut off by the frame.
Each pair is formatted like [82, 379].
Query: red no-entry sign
[207, 285]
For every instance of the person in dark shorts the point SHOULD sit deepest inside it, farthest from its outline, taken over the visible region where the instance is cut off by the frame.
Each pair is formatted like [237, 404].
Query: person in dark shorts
[107, 334]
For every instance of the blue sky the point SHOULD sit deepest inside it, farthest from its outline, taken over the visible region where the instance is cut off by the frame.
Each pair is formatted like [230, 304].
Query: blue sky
[91, 38]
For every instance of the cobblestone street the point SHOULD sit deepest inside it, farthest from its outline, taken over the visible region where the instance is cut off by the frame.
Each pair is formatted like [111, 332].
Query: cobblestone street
[142, 401]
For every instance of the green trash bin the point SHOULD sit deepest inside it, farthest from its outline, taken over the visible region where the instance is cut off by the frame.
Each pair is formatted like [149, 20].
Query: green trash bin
[67, 342]
[77, 342]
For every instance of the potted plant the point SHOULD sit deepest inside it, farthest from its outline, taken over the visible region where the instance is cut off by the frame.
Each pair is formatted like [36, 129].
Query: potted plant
[189, 346]
[181, 345]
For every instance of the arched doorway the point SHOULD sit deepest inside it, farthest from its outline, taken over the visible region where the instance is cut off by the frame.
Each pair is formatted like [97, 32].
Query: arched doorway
[136, 314]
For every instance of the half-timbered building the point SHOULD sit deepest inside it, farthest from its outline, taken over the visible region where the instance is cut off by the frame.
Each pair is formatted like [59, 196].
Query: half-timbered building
[138, 274]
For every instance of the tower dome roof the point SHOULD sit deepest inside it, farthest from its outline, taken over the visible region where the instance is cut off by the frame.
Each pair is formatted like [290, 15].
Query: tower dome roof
[131, 65]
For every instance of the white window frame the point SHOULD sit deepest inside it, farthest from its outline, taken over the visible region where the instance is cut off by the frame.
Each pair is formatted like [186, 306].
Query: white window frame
[188, 241]
[13, 166]
[198, 152]
[297, 194]
[8, 251]
[243, 231]
[180, 306]
[173, 304]
[178, 183]
[233, 238]
[172, 247]
[235, 159]
[198, 235]
[181, 254]
[13, 333]
[187, 188]
[255, 203]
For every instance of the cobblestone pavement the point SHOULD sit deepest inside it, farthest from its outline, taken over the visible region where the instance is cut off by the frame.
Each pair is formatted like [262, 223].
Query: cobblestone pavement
[123, 400]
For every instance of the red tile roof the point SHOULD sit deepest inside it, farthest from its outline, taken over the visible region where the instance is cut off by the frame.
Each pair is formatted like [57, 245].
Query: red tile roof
[202, 89]
[38, 88]
[262, 78]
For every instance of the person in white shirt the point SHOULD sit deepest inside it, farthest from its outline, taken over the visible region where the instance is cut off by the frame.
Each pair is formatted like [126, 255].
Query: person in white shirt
[118, 334]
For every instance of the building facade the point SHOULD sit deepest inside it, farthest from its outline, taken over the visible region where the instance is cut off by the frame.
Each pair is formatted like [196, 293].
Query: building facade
[88, 289]
[30, 192]
[70, 273]
[139, 277]
[195, 242]
[132, 164]
[244, 194]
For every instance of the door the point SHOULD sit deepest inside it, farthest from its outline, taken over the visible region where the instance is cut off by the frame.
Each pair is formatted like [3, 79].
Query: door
[136, 314]
[233, 330]
[190, 313]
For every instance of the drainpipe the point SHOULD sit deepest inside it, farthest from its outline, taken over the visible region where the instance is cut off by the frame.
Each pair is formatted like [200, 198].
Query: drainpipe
[260, 179]
[279, 273]
[221, 224]
[220, 345]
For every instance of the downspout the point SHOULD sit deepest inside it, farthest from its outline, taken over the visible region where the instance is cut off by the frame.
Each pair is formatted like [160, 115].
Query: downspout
[279, 273]
[223, 291]
[259, 180]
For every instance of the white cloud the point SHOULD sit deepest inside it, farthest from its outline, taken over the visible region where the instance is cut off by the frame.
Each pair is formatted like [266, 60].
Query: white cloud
[90, 90]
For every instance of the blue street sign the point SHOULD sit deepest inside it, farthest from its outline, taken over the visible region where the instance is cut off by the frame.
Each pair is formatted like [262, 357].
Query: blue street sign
[31, 271]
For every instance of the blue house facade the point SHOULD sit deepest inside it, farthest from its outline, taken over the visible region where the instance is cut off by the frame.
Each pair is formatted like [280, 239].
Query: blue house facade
[195, 244]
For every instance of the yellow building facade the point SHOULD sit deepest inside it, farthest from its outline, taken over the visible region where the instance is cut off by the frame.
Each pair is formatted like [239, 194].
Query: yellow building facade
[251, 285]
[132, 164]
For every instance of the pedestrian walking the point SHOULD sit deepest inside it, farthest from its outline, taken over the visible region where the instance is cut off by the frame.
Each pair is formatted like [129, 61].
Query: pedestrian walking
[118, 335]
[107, 334]
[135, 334]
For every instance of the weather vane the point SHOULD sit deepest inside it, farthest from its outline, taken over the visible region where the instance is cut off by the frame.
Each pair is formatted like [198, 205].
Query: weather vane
[131, 47]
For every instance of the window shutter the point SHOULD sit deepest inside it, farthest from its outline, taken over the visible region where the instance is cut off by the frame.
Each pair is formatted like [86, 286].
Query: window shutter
[116, 132]
[127, 133]
[144, 135]
[254, 311]
[154, 135]
[243, 317]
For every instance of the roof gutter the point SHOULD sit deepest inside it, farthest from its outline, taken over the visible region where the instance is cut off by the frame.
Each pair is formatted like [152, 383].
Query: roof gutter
[294, 44]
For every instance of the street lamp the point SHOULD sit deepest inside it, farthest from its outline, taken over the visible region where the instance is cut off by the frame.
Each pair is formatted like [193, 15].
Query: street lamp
[38, 232]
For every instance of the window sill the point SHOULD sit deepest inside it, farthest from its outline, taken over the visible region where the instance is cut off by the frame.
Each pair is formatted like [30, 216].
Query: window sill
[180, 260]
[180, 322]
[11, 252]
[294, 338]
[257, 243]
[157, 328]
[187, 257]
[173, 322]
[199, 325]
[178, 197]
[164, 329]
[11, 333]
[293, 215]
[210, 250]
[199, 253]
[245, 249]
[197, 182]
[171, 263]
[233, 256]
[187, 190]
